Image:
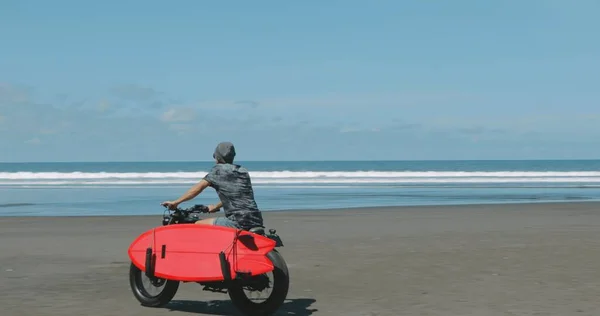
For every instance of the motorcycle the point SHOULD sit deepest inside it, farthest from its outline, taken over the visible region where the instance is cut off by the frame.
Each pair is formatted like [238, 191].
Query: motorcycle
[236, 288]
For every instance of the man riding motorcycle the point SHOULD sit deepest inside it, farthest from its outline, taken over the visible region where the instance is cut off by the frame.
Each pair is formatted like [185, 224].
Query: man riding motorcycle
[234, 188]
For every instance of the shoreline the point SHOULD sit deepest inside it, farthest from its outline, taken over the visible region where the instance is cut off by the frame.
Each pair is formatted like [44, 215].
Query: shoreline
[360, 209]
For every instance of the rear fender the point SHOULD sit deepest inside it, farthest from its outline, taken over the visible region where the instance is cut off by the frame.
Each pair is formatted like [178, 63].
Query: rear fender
[273, 236]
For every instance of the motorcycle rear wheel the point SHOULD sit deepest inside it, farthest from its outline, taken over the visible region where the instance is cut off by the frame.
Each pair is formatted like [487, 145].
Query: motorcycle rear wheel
[281, 281]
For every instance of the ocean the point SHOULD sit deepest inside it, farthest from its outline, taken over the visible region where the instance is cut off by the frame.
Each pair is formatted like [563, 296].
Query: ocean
[137, 188]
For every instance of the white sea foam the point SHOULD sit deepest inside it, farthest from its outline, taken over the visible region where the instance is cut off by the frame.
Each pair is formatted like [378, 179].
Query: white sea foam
[302, 177]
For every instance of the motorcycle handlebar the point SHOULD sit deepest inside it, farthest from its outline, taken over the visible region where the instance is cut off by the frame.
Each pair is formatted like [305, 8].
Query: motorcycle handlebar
[198, 208]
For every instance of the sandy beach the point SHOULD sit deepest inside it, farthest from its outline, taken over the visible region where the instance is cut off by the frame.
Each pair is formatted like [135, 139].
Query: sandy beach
[535, 259]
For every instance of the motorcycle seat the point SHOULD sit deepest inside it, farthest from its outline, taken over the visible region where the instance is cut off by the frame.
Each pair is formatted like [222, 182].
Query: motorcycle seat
[257, 230]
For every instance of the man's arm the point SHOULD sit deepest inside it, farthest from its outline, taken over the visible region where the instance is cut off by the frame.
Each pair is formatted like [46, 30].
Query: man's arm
[193, 191]
[215, 208]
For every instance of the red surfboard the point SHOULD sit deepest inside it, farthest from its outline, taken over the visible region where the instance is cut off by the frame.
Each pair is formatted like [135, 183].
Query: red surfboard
[190, 252]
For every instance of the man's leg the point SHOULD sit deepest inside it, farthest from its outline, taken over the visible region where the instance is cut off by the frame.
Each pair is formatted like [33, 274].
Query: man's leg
[224, 221]
[218, 221]
[206, 221]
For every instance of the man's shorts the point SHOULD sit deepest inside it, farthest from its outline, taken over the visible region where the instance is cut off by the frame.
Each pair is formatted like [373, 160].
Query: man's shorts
[224, 221]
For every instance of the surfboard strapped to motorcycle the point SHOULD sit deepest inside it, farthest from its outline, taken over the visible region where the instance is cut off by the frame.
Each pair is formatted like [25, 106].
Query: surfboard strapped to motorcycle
[223, 259]
[199, 253]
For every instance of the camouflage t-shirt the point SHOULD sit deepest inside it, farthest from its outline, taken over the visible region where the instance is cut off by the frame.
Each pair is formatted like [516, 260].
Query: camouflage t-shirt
[233, 185]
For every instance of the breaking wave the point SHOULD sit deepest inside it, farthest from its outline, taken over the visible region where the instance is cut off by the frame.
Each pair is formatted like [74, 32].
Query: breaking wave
[303, 177]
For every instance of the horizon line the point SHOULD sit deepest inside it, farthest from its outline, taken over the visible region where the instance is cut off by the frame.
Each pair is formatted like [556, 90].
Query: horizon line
[326, 160]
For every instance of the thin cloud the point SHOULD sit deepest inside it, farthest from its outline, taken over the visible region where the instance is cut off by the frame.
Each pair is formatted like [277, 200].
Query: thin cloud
[156, 105]
[381, 99]
[14, 94]
[402, 125]
[406, 99]
[478, 130]
[350, 130]
[344, 130]
[33, 141]
[132, 92]
[182, 128]
[249, 103]
[178, 115]
[104, 106]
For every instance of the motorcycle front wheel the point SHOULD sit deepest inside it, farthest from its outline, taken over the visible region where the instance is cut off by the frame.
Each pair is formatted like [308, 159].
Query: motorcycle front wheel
[279, 283]
[143, 288]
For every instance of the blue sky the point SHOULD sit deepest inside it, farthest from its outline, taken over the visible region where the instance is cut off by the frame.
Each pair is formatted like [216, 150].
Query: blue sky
[283, 80]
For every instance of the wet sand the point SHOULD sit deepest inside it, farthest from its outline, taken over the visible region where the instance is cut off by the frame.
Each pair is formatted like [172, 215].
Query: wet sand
[536, 259]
